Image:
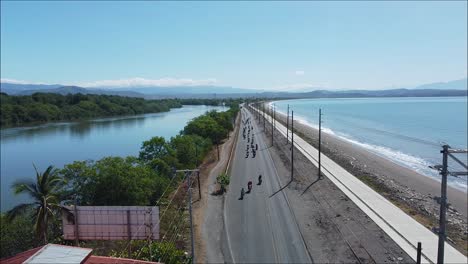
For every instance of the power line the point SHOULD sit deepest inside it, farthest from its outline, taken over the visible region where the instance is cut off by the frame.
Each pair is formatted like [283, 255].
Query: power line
[166, 209]
[159, 222]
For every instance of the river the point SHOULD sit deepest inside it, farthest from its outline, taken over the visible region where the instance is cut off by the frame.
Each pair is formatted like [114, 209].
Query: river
[62, 143]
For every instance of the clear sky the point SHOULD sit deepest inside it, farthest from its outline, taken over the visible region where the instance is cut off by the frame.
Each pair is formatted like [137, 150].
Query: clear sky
[271, 45]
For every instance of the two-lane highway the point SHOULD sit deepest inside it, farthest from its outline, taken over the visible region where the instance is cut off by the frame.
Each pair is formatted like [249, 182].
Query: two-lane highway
[259, 228]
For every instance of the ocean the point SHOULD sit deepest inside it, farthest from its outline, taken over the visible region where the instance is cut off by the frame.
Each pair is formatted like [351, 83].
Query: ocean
[408, 131]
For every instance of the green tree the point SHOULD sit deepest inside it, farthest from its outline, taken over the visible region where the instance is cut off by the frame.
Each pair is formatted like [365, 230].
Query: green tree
[16, 235]
[113, 181]
[205, 126]
[185, 150]
[155, 148]
[44, 191]
[190, 149]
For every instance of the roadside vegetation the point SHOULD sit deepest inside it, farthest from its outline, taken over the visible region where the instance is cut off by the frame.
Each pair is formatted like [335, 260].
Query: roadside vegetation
[223, 181]
[139, 181]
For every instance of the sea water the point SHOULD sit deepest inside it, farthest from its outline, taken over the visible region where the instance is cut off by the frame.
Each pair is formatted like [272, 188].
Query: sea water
[408, 131]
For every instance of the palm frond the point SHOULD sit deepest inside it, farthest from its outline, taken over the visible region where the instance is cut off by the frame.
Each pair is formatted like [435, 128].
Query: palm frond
[44, 191]
[47, 176]
[38, 175]
[24, 185]
[18, 210]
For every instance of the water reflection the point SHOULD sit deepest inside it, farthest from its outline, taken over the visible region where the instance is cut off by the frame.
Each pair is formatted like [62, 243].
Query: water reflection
[80, 129]
[62, 143]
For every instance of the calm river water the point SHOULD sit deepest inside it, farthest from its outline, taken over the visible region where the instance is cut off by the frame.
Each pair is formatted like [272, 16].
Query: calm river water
[62, 143]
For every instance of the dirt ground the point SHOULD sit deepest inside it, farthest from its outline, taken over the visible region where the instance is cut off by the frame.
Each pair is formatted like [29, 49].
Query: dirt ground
[415, 194]
[333, 227]
[208, 211]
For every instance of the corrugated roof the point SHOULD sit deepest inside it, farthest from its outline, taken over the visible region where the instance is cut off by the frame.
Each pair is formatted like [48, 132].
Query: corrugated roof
[52, 253]
[20, 257]
[90, 259]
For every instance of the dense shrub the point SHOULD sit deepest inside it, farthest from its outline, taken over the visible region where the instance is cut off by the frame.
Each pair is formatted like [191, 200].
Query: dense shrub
[46, 107]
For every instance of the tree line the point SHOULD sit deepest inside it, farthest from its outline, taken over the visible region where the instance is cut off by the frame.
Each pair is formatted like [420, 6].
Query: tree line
[109, 181]
[50, 107]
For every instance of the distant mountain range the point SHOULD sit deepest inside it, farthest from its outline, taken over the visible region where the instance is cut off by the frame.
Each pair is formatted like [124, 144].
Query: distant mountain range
[452, 85]
[20, 89]
[27, 89]
[452, 88]
[161, 90]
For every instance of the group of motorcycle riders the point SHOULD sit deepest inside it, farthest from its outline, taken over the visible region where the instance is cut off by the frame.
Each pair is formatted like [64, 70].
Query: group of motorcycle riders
[249, 128]
[249, 186]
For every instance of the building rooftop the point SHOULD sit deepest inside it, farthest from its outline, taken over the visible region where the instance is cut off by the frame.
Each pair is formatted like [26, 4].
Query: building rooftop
[53, 253]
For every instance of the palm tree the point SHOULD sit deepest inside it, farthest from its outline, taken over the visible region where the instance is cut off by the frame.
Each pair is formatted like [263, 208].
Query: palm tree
[45, 205]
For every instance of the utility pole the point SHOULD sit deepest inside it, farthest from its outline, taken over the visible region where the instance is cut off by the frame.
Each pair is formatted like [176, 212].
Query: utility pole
[257, 114]
[189, 183]
[292, 145]
[199, 186]
[443, 205]
[271, 115]
[196, 155]
[187, 173]
[287, 126]
[320, 144]
[75, 210]
[274, 116]
[418, 253]
[263, 116]
[446, 152]
[258, 108]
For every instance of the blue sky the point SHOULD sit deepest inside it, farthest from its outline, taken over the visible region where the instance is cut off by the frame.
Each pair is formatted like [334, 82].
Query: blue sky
[268, 45]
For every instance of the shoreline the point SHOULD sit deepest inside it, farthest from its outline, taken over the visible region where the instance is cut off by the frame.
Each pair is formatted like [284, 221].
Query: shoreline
[416, 181]
[416, 194]
[374, 149]
[333, 227]
[361, 158]
[40, 124]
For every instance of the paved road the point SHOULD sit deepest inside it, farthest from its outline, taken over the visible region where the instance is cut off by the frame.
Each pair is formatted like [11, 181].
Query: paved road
[259, 228]
[402, 228]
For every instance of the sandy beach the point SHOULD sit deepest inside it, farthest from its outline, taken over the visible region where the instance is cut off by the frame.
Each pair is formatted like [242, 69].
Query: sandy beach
[415, 193]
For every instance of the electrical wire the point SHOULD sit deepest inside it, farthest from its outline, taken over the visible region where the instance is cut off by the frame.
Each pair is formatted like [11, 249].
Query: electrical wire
[151, 212]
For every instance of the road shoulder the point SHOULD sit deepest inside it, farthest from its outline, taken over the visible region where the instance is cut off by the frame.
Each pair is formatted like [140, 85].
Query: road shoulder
[208, 211]
[333, 227]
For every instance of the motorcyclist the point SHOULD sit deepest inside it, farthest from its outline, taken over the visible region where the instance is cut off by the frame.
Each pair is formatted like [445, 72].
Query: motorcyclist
[259, 179]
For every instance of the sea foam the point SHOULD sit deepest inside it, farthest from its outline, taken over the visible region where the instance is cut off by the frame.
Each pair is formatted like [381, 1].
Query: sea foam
[412, 162]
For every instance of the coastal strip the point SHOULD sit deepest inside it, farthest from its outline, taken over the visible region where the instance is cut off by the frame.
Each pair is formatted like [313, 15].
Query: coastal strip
[398, 225]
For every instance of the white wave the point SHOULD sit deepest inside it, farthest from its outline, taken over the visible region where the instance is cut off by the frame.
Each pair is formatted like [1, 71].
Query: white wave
[415, 163]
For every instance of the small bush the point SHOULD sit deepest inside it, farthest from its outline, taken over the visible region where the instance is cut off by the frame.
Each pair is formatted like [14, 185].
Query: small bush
[223, 180]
